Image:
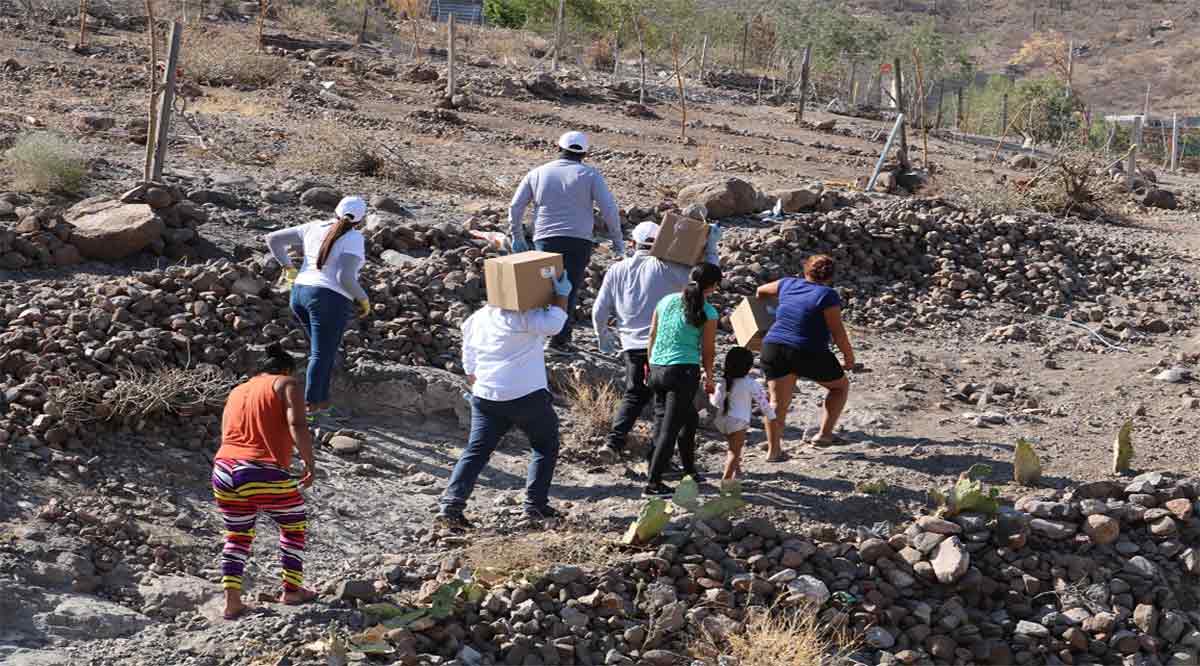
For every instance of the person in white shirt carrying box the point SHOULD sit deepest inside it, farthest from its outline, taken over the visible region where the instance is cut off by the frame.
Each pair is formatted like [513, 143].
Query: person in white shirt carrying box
[504, 358]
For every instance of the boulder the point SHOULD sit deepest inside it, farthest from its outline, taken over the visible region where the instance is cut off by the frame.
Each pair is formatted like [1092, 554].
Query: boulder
[1156, 198]
[794, 201]
[321, 197]
[951, 561]
[177, 593]
[110, 230]
[1102, 530]
[1022, 162]
[725, 198]
[88, 618]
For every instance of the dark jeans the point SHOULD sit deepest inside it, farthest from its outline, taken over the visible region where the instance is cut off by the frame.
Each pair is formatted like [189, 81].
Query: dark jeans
[675, 416]
[323, 314]
[576, 253]
[637, 396]
[534, 415]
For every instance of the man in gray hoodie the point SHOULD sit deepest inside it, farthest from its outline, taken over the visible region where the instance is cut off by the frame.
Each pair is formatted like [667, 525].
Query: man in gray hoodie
[562, 192]
[631, 289]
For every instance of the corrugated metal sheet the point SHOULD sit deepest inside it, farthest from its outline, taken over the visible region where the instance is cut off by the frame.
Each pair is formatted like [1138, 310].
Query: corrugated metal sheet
[470, 11]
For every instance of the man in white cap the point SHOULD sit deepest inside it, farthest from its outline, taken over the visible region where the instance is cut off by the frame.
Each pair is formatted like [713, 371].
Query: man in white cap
[562, 192]
[631, 289]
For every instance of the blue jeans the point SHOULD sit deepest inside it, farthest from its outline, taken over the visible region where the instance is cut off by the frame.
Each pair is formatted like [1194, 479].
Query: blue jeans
[323, 313]
[576, 253]
[534, 415]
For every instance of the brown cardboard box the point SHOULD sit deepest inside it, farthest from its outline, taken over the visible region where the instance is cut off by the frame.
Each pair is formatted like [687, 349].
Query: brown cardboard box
[680, 240]
[751, 321]
[521, 281]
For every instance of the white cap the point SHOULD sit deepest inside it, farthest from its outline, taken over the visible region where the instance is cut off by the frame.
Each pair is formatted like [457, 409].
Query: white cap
[354, 207]
[576, 142]
[645, 233]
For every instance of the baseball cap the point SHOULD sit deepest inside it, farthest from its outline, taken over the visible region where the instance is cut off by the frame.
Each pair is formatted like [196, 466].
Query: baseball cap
[645, 233]
[576, 142]
[354, 207]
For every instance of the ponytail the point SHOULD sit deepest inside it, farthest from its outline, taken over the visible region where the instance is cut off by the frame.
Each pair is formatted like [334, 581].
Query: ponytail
[339, 229]
[738, 362]
[277, 361]
[701, 278]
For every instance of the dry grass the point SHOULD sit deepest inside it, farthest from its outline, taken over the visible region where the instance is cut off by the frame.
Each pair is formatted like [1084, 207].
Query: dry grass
[46, 162]
[140, 393]
[783, 637]
[219, 101]
[229, 58]
[303, 19]
[591, 407]
[529, 555]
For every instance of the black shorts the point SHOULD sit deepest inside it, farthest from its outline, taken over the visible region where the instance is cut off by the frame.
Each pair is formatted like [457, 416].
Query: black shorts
[782, 360]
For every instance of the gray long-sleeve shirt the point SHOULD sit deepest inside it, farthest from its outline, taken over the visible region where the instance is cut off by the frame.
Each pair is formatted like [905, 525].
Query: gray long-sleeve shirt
[630, 291]
[562, 193]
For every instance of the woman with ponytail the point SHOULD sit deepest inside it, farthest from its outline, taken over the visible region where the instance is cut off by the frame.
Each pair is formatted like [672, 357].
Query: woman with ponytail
[325, 289]
[809, 316]
[683, 334]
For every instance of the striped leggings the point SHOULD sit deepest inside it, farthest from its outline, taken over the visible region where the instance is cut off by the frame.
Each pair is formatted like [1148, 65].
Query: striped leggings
[242, 489]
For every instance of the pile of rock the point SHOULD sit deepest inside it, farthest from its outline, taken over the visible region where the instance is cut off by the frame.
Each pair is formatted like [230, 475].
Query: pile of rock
[921, 262]
[1102, 573]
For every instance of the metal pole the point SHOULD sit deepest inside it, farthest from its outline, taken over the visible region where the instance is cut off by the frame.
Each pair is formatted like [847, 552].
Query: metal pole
[451, 82]
[166, 102]
[1174, 141]
[558, 29]
[886, 147]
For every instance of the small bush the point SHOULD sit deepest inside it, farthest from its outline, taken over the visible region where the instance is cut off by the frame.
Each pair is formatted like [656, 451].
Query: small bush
[46, 162]
[227, 58]
[141, 394]
[591, 407]
[505, 557]
[785, 637]
[600, 55]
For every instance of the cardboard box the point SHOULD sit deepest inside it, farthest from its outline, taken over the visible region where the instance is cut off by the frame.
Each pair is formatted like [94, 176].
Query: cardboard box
[522, 281]
[681, 240]
[751, 321]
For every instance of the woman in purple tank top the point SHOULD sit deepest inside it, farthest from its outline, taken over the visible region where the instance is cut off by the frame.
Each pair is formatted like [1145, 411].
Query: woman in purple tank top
[808, 318]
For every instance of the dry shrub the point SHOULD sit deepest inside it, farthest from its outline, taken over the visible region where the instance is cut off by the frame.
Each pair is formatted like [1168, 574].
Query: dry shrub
[229, 58]
[783, 637]
[304, 18]
[1075, 185]
[505, 557]
[591, 407]
[46, 162]
[140, 393]
[327, 147]
[599, 55]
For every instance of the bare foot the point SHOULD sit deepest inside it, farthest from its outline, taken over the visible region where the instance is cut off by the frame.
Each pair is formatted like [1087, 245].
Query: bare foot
[297, 597]
[234, 610]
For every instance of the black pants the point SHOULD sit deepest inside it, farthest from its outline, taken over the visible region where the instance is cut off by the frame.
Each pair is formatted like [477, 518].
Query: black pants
[637, 396]
[675, 416]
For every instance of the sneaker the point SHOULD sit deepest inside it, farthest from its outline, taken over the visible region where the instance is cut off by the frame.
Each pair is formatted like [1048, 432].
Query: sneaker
[454, 520]
[696, 476]
[673, 471]
[658, 490]
[540, 514]
[558, 347]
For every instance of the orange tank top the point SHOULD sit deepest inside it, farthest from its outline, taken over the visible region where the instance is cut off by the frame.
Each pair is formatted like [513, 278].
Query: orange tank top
[254, 426]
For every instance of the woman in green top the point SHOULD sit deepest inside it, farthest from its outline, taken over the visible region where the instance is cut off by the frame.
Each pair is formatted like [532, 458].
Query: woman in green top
[683, 338]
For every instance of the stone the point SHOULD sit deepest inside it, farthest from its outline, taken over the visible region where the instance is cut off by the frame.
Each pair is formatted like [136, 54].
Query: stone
[1024, 162]
[809, 588]
[110, 230]
[879, 638]
[1157, 198]
[1181, 508]
[574, 618]
[67, 255]
[1029, 629]
[91, 122]
[1141, 566]
[951, 561]
[177, 593]
[874, 549]
[660, 658]
[1102, 530]
[356, 590]
[1163, 527]
[938, 525]
[1052, 529]
[564, 574]
[344, 445]
[88, 618]
[731, 197]
[1100, 623]
[927, 541]
[321, 197]
[797, 200]
[388, 205]
[720, 627]
[1145, 617]
[214, 197]
[398, 259]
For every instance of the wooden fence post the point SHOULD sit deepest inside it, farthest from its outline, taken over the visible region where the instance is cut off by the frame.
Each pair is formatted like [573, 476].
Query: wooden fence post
[804, 61]
[362, 28]
[745, 43]
[152, 78]
[451, 75]
[263, 5]
[1003, 112]
[1131, 161]
[682, 92]
[83, 9]
[897, 85]
[1174, 141]
[166, 101]
[703, 58]
[1070, 68]
[558, 30]
[958, 110]
[853, 80]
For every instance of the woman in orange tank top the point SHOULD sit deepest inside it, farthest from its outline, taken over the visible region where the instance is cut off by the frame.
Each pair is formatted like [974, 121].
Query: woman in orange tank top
[263, 420]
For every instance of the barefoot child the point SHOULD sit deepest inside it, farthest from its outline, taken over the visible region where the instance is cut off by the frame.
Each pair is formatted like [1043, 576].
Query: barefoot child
[732, 401]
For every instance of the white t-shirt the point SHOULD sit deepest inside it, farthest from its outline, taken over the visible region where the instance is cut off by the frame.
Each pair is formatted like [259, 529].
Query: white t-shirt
[504, 350]
[351, 242]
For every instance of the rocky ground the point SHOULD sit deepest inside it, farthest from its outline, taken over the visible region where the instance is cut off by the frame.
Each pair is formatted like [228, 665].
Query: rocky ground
[975, 329]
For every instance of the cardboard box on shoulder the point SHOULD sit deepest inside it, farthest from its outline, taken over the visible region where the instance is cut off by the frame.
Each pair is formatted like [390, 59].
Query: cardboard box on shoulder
[680, 240]
[521, 281]
[751, 321]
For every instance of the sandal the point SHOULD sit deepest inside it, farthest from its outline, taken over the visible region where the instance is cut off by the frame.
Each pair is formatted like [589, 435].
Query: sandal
[834, 440]
[783, 458]
[306, 595]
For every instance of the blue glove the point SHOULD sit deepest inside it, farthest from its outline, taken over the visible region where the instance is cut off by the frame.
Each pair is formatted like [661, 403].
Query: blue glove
[618, 247]
[714, 236]
[519, 244]
[562, 285]
[605, 341]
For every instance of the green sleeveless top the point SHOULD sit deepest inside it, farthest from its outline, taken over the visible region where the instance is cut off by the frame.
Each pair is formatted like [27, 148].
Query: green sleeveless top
[676, 342]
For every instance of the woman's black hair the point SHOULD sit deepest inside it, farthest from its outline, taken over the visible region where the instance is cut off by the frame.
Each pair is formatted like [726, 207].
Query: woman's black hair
[738, 362]
[702, 277]
[276, 361]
